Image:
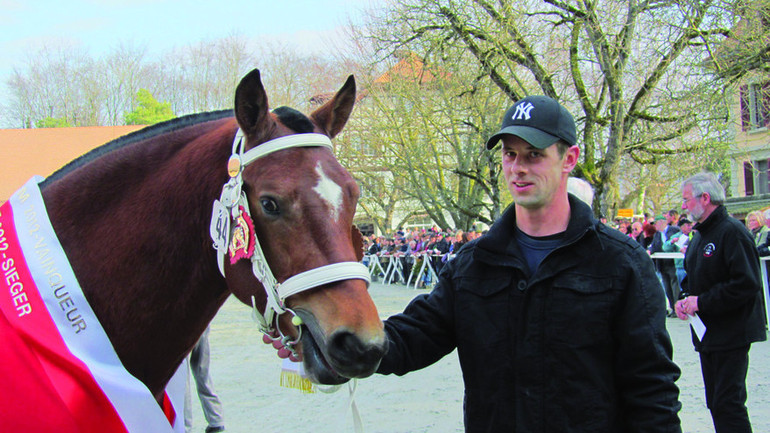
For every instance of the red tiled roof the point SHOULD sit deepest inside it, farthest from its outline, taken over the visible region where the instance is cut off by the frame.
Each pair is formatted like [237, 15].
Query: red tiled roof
[27, 152]
[410, 67]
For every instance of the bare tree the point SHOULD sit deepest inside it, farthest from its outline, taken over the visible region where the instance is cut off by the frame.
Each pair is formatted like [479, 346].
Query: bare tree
[418, 147]
[122, 73]
[202, 77]
[633, 72]
[52, 85]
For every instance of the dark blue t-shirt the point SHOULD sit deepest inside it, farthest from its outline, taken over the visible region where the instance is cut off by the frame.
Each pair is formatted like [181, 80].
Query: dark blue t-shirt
[536, 248]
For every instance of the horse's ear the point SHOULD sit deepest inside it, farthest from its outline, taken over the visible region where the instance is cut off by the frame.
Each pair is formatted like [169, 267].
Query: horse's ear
[251, 107]
[358, 242]
[334, 114]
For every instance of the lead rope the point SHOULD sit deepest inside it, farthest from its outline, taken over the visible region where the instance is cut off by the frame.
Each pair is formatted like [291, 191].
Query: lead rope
[358, 426]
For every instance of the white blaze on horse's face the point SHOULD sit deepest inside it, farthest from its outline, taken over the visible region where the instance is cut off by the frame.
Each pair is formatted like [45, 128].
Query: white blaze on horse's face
[329, 191]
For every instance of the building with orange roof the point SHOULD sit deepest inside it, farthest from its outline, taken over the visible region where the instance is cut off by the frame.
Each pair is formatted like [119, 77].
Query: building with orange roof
[410, 67]
[28, 152]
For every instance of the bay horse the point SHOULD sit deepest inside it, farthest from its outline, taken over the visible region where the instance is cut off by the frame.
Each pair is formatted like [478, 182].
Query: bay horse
[136, 222]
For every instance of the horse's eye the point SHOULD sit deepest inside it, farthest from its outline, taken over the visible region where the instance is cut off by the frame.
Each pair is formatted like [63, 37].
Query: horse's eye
[269, 205]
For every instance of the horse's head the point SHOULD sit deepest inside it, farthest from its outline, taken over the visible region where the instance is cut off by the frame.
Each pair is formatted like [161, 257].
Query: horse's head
[302, 203]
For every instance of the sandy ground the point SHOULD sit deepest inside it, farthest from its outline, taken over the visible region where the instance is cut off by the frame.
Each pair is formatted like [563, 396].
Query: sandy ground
[246, 375]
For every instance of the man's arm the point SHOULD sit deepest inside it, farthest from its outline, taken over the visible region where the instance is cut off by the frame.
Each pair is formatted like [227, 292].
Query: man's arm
[764, 248]
[423, 333]
[645, 371]
[656, 244]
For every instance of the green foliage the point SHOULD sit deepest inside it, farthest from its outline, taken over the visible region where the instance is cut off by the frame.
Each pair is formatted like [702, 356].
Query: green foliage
[148, 110]
[52, 122]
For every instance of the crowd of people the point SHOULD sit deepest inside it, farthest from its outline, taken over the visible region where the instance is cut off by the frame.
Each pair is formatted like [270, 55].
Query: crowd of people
[672, 232]
[410, 248]
[668, 232]
[558, 318]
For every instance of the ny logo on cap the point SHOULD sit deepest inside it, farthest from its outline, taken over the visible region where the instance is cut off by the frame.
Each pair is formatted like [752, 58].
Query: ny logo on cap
[522, 111]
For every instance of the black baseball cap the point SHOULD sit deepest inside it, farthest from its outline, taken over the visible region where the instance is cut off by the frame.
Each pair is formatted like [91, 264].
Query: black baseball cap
[539, 120]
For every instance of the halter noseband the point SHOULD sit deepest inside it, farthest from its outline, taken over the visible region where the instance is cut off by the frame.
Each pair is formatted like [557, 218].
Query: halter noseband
[232, 205]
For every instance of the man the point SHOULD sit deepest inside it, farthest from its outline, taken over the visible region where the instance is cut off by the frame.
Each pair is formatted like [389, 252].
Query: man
[210, 403]
[666, 267]
[724, 288]
[672, 217]
[636, 231]
[678, 244]
[557, 318]
[581, 189]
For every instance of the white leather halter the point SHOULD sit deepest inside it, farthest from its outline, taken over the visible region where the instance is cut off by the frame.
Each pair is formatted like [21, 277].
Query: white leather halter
[227, 209]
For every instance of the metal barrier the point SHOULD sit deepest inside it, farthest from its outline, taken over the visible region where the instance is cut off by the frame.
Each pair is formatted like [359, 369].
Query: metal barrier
[395, 267]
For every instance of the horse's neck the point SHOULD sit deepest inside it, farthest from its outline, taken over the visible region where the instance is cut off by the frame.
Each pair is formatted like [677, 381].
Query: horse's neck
[135, 228]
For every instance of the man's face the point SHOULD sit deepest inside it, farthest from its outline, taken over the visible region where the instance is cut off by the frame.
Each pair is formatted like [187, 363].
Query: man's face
[660, 225]
[694, 205]
[686, 228]
[636, 228]
[535, 175]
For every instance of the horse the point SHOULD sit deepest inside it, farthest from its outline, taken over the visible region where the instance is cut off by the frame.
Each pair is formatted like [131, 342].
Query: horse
[138, 216]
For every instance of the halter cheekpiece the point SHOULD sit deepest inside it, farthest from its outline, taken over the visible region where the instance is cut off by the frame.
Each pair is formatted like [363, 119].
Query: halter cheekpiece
[233, 233]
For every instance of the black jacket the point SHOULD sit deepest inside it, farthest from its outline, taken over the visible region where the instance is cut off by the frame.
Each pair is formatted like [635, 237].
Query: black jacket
[764, 248]
[580, 346]
[722, 267]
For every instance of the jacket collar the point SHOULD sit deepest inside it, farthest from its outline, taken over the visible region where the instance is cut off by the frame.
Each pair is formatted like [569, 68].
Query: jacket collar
[496, 246]
[718, 215]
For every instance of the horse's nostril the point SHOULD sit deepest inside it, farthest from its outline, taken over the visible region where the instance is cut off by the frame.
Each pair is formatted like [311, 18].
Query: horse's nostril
[348, 350]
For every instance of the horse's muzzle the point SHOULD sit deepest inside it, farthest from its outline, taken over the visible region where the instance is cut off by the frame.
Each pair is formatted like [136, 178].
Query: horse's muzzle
[339, 357]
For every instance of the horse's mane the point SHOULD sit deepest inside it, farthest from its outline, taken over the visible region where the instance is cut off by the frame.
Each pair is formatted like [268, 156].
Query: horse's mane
[135, 137]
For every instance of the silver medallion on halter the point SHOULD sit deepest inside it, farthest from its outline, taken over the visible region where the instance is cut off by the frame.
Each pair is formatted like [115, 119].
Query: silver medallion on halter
[220, 226]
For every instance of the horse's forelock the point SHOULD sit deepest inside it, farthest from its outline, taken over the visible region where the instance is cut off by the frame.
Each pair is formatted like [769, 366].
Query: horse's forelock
[294, 119]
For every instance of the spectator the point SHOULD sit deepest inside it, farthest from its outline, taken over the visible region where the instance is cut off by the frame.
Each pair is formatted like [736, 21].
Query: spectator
[764, 248]
[440, 248]
[672, 217]
[624, 226]
[581, 189]
[376, 245]
[678, 243]
[755, 222]
[212, 406]
[666, 268]
[766, 214]
[465, 237]
[723, 286]
[648, 233]
[636, 231]
[375, 249]
[556, 318]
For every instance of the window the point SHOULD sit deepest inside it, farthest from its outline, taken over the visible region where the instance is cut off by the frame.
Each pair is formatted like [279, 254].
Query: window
[755, 106]
[755, 176]
[748, 178]
[761, 185]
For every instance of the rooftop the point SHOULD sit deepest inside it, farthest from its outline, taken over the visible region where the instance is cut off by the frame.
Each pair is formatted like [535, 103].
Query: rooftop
[28, 152]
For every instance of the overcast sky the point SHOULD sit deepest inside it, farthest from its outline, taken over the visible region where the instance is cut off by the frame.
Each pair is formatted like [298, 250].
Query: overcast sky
[99, 26]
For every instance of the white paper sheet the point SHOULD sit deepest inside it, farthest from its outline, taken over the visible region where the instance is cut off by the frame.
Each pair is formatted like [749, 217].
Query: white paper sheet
[698, 326]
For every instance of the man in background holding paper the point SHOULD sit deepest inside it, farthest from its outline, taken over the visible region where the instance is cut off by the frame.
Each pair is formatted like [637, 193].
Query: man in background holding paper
[722, 290]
